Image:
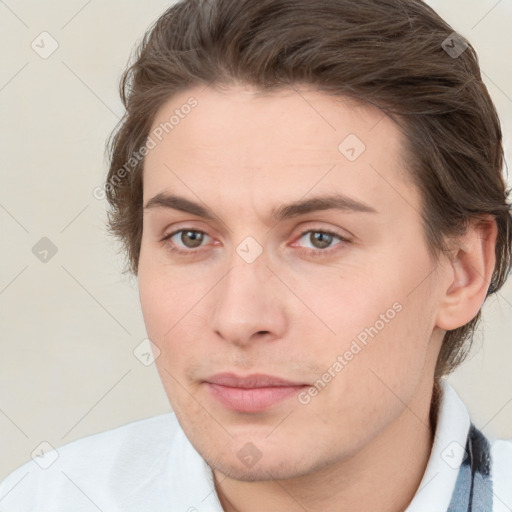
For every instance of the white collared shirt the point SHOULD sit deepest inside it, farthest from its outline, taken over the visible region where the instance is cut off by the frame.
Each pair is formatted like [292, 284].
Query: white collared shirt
[150, 466]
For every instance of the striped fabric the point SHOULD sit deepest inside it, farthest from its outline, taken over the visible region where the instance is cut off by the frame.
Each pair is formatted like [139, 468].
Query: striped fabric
[473, 488]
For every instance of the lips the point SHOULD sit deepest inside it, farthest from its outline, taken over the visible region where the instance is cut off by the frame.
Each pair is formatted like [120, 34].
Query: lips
[251, 381]
[253, 393]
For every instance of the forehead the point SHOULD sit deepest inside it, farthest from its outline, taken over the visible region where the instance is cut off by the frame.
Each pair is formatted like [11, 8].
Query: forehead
[273, 144]
[264, 122]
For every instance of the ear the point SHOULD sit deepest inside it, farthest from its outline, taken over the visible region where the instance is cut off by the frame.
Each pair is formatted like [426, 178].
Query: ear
[471, 267]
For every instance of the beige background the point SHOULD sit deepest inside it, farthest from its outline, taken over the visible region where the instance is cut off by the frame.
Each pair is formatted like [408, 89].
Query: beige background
[69, 326]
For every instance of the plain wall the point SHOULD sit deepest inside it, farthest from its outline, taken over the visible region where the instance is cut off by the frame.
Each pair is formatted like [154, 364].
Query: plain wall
[69, 326]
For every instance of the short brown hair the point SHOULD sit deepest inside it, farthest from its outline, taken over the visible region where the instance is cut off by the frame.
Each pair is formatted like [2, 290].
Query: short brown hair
[397, 55]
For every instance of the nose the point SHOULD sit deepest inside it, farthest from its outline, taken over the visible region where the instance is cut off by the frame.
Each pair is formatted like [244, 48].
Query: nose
[249, 304]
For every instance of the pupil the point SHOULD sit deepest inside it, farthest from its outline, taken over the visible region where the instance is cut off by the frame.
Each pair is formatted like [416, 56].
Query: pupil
[318, 235]
[195, 236]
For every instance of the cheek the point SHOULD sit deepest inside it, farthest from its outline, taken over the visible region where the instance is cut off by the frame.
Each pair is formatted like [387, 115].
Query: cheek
[165, 317]
[165, 297]
[372, 380]
[383, 322]
[172, 316]
[154, 308]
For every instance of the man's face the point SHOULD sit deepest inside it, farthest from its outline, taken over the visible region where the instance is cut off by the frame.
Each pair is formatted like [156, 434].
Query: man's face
[341, 302]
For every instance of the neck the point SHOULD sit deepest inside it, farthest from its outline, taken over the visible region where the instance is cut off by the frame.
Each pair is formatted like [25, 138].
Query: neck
[383, 476]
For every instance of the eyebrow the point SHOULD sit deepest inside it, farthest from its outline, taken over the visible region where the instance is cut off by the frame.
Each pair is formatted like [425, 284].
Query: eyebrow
[279, 213]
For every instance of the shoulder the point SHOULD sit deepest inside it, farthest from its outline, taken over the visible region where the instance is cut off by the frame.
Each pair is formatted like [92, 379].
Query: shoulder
[88, 472]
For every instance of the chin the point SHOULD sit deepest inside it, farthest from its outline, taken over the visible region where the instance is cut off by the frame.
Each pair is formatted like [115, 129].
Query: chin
[271, 466]
[262, 471]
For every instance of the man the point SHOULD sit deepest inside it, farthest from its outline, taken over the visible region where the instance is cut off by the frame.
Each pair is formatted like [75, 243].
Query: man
[311, 197]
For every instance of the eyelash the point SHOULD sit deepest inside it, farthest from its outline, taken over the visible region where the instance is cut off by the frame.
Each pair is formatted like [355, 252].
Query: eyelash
[311, 252]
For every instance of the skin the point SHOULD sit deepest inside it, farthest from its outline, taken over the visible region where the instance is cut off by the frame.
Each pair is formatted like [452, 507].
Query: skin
[363, 442]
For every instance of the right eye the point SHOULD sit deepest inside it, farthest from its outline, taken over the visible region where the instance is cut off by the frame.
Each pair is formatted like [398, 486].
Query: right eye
[194, 237]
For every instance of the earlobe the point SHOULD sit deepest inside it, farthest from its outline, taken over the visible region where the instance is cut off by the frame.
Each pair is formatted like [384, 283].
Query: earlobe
[472, 265]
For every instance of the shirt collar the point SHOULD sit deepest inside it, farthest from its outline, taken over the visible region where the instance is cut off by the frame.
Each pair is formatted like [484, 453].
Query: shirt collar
[447, 454]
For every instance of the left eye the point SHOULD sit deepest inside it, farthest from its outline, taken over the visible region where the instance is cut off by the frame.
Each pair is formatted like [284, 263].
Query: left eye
[321, 240]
